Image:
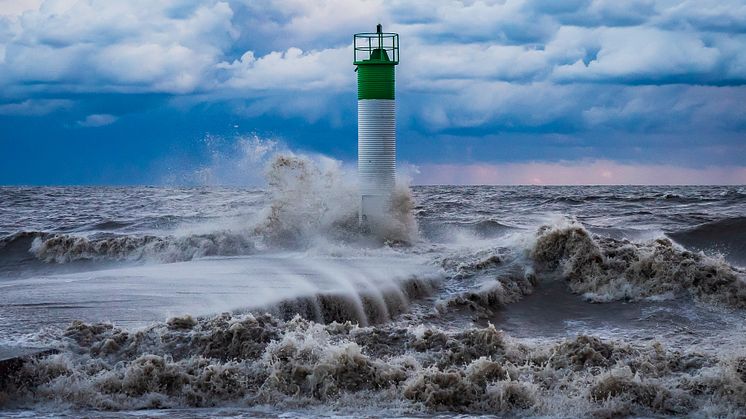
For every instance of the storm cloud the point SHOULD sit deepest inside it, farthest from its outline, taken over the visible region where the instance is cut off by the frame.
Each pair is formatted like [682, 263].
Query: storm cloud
[480, 82]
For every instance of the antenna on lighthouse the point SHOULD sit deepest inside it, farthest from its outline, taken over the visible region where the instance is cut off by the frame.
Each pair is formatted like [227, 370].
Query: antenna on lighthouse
[375, 56]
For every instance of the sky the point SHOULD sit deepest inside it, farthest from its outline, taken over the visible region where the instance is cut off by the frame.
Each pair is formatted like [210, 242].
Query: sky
[488, 92]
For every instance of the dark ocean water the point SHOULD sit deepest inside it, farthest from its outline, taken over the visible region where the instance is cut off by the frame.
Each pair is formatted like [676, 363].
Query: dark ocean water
[602, 300]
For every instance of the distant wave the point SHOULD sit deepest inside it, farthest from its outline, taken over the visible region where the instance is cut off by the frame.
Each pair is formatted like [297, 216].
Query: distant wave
[444, 229]
[727, 236]
[17, 245]
[64, 248]
[672, 197]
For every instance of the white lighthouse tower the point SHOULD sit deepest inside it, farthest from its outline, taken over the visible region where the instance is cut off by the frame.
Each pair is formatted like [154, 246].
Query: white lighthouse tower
[376, 55]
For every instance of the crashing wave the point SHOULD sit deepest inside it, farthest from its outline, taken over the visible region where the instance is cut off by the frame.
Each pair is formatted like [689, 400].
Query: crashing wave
[376, 305]
[606, 269]
[62, 248]
[314, 199]
[494, 293]
[311, 200]
[259, 359]
[600, 268]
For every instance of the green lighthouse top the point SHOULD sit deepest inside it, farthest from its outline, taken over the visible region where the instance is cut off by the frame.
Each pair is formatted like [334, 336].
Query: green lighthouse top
[376, 48]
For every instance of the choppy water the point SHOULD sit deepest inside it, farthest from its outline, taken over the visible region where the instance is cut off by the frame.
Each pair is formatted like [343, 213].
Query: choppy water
[480, 300]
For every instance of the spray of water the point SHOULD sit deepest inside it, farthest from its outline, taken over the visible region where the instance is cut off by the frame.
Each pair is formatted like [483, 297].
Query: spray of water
[313, 201]
[317, 197]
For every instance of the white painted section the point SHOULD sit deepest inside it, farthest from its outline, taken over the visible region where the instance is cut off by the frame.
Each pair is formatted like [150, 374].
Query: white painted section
[376, 162]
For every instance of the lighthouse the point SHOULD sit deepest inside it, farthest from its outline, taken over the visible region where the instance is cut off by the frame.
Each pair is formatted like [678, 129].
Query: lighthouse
[375, 56]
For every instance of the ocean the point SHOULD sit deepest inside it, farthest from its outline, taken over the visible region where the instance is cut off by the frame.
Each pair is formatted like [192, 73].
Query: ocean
[471, 300]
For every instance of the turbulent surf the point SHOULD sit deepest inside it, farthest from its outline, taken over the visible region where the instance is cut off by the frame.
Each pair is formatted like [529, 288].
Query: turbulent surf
[535, 301]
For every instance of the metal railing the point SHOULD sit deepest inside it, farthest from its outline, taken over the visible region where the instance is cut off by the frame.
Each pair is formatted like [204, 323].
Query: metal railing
[367, 42]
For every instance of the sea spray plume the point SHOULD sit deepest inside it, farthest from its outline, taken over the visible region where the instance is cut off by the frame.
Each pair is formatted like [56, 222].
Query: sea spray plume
[228, 161]
[311, 199]
[308, 199]
[606, 269]
[401, 225]
[314, 198]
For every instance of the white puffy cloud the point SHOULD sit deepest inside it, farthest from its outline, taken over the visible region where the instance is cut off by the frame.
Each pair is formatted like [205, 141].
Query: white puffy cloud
[636, 55]
[95, 45]
[702, 15]
[583, 64]
[424, 63]
[97, 120]
[182, 47]
[500, 21]
[292, 69]
[474, 104]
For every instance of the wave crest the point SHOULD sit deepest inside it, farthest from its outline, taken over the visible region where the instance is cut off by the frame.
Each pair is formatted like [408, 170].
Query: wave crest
[63, 248]
[606, 269]
[725, 236]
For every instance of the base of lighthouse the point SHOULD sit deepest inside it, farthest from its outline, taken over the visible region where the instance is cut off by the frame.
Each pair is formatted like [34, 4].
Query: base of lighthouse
[373, 209]
[376, 157]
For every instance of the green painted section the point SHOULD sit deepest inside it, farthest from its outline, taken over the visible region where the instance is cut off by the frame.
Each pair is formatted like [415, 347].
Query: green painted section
[375, 77]
[375, 82]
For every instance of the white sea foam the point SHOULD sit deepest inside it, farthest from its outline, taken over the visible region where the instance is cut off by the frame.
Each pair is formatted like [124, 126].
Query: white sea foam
[253, 360]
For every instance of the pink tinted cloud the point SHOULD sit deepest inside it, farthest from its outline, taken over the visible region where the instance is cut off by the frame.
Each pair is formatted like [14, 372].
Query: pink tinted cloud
[595, 172]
